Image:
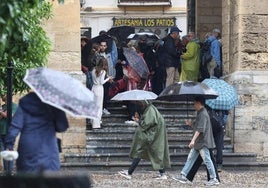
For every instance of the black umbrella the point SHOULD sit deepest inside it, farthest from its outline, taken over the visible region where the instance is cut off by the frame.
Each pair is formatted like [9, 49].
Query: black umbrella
[148, 35]
[187, 91]
[121, 33]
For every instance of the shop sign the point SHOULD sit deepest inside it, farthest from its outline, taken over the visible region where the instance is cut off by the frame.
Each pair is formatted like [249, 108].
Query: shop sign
[144, 22]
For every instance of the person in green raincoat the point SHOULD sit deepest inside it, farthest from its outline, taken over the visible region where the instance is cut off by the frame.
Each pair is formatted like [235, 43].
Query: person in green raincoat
[150, 142]
[190, 60]
[3, 131]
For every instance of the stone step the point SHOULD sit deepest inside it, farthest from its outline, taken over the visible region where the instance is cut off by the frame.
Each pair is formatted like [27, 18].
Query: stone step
[126, 148]
[117, 131]
[122, 140]
[169, 118]
[174, 157]
[114, 167]
[162, 110]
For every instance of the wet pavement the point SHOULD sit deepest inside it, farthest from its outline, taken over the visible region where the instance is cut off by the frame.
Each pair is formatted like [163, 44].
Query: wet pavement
[229, 178]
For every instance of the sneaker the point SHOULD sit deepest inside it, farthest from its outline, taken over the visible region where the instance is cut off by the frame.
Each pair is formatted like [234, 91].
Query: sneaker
[161, 177]
[212, 182]
[181, 178]
[125, 174]
[105, 111]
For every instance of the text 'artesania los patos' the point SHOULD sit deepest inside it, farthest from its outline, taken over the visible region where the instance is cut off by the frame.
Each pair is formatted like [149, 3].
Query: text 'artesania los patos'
[144, 22]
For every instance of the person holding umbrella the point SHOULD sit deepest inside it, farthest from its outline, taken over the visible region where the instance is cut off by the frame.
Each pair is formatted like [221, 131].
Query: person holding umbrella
[149, 142]
[201, 142]
[37, 123]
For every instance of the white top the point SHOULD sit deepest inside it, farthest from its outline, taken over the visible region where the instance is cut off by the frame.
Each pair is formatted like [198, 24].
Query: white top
[100, 80]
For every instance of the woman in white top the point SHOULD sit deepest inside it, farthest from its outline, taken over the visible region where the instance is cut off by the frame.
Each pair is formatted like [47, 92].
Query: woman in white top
[98, 76]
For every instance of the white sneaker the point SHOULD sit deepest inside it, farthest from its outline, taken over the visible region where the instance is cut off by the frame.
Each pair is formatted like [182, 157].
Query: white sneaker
[125, 174]
[212, 182]
[105, 111]
[161, 177]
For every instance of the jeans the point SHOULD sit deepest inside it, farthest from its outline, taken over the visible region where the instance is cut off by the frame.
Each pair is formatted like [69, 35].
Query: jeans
[8, 165]
[89, 80]
[192, 156]
[190, 176]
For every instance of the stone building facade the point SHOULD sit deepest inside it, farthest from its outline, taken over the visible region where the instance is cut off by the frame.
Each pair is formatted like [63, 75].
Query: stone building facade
[244, 26]
[245, 60]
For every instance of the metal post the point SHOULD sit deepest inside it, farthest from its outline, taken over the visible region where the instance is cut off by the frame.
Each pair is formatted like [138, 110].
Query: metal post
[9, 92]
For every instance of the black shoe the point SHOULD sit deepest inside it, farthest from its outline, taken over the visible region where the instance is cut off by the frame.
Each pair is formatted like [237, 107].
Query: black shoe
[89, 126]
[219, 167]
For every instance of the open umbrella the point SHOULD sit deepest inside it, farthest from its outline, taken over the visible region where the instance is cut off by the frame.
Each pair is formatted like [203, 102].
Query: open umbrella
[227, 98]
[137, 36]
[62, 91]
[121, 33]
[136, 62]
[187, 91]
[135, 95]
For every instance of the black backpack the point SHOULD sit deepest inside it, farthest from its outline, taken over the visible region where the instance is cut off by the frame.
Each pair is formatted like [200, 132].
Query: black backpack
[205, 57]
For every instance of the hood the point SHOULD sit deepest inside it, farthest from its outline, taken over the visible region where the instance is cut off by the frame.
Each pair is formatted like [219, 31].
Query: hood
[32, 104]
[211, 38]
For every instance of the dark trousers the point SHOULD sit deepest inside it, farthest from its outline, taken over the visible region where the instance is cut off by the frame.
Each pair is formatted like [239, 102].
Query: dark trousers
[8, 165]
[106, 97]
[197, 164]
[218, 134]
[134, 165]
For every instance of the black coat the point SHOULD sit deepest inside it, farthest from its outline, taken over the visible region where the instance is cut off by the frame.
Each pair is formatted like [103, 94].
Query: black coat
[171, 55]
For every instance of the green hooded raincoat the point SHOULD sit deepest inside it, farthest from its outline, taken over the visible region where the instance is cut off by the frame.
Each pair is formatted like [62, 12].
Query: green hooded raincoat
[150, 139]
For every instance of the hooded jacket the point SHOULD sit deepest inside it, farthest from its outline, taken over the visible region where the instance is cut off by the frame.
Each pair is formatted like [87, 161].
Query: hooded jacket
[37, 124]
[150, 140]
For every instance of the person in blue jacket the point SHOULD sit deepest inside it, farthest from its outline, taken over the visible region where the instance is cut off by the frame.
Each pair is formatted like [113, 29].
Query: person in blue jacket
[37, 123]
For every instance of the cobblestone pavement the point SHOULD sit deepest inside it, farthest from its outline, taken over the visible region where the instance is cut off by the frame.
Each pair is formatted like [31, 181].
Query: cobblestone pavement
[229, 179]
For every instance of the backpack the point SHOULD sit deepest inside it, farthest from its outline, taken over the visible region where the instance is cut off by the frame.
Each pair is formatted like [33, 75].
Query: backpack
[205, 57]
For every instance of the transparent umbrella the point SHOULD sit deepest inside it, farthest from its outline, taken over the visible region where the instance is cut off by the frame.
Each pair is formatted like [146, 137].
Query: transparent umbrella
[62, 91]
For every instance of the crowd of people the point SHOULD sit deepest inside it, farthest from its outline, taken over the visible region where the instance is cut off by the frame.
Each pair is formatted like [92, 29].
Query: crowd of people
[169, 60]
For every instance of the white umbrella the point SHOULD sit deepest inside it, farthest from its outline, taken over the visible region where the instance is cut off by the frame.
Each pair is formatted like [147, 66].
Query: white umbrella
[135, 95]
[62, 91]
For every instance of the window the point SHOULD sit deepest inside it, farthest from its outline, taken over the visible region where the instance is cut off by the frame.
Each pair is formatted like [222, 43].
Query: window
[144, 2]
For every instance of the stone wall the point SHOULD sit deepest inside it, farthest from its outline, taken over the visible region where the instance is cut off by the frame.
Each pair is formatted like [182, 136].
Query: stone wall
[245, 58]
[64, 32]
[208, 17]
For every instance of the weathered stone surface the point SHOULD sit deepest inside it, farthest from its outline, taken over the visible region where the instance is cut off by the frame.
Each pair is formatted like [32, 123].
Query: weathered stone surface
[257, 24]
[253, 7]
[65, 61]
[254, 61]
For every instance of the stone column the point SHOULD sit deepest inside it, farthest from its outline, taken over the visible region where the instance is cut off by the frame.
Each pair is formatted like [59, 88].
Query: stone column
[245, 57]
[64, 31]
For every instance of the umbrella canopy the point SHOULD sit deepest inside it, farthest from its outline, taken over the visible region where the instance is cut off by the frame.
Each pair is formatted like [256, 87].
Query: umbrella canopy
[137, 36]
[136, 62]
[227, 98]
[62, 91]
[186, 91]
[121, 33]
[135, 95]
